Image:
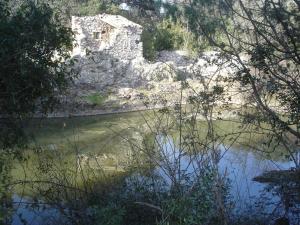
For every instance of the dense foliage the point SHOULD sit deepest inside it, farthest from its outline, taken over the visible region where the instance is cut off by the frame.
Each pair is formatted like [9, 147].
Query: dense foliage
[169, 35]
[34, 49]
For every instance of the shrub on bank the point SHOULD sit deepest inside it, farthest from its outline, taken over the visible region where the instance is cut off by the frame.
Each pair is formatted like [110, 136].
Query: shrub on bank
[168, 35]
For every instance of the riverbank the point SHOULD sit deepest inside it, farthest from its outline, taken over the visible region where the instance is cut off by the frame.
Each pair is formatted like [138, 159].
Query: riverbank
[173, 79]
[95, 112]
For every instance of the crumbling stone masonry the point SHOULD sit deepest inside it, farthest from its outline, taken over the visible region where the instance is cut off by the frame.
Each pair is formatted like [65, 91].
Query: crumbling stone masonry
[109, 60]
[110, 34]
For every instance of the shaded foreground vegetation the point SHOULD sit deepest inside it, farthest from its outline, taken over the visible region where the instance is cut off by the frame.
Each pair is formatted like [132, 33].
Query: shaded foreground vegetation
[164, 167]
[129, 169]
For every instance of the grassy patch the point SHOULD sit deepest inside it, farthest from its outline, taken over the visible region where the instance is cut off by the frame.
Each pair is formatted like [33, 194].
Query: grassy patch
[95, 99]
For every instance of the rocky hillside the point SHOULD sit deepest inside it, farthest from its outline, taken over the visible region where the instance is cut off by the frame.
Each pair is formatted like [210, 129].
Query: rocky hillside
[115, 85]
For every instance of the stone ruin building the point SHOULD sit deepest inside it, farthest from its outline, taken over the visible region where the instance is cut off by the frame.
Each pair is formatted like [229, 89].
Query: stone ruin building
[111, 34]
[109, 59]
[105, 46]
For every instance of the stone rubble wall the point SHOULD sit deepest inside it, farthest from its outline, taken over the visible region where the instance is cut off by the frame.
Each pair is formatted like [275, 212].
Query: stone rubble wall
[84, 27]
[115, 67]
[104, 72]
[128, 44]
[123, 42]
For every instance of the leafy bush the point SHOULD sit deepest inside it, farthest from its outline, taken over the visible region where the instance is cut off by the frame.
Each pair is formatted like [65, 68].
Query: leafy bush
[149, 50]
[34, 51]
[168, 35]
[112, 214]
[93, 7]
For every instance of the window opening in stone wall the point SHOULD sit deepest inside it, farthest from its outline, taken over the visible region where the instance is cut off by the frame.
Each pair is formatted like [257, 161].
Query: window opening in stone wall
[105, 34]
[96, 35]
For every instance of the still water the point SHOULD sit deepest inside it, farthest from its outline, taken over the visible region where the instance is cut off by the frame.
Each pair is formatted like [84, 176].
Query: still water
[104, 135]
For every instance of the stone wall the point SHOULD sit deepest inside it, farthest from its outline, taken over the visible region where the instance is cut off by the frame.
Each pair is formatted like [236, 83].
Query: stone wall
[114, 67]
[109, 34]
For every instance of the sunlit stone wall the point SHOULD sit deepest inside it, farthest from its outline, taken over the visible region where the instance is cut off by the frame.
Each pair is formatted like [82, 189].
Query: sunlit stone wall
[109, 34]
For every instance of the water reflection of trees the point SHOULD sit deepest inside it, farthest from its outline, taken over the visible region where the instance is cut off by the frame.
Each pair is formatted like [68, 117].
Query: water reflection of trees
[284, 190]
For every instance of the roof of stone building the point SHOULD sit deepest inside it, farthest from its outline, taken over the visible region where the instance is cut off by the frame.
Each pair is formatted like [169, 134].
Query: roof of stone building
[116, 21]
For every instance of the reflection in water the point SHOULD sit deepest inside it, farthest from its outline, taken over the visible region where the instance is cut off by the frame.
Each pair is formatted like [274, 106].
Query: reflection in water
[240, 165]
[34, 213]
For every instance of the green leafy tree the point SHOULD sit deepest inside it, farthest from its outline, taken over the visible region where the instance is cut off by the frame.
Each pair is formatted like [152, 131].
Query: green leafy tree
[34, 52]
[205, 12]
